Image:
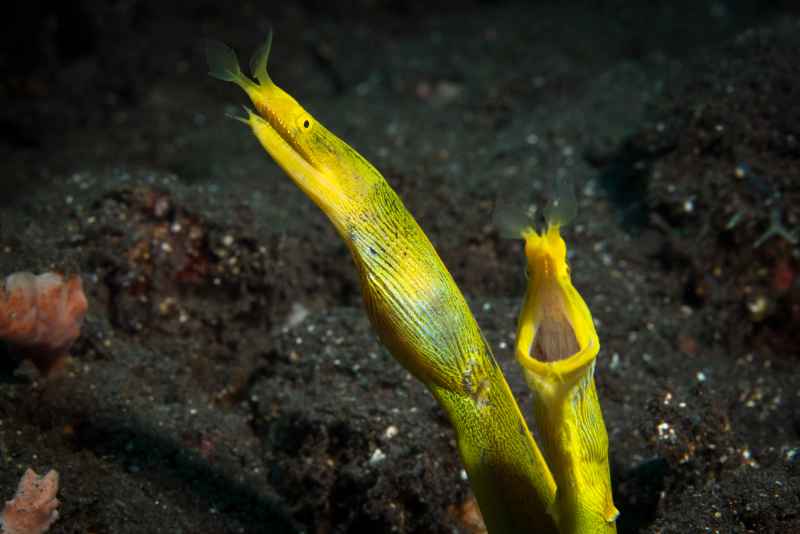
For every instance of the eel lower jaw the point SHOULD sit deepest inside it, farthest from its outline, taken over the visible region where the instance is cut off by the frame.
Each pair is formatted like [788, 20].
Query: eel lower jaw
[558, 379]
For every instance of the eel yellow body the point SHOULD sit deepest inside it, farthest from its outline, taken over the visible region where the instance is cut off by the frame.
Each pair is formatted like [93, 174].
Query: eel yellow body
[557, 345]
[411, 299]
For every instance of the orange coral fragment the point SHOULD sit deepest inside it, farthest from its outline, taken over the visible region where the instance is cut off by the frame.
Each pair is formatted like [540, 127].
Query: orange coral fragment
[34, 507]
[42, 316]
[468, 515]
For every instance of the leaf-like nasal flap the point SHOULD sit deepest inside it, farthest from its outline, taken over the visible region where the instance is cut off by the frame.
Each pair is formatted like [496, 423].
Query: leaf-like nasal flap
[258, 62]
[222, 62]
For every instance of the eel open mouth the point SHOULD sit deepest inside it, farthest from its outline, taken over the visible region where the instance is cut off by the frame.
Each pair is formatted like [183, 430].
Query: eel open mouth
[554, 340]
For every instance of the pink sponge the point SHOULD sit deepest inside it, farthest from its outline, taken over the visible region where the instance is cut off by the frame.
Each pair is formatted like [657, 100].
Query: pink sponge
[42, 316]
[34, 507]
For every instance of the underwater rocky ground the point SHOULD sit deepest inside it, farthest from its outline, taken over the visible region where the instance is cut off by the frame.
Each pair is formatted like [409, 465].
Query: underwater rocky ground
[227, 379]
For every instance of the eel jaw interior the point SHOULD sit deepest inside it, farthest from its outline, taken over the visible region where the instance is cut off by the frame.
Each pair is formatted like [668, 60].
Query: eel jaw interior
[554, 339]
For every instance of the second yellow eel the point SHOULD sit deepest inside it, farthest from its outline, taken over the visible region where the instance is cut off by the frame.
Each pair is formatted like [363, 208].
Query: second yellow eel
[411, 299]
[557, 345]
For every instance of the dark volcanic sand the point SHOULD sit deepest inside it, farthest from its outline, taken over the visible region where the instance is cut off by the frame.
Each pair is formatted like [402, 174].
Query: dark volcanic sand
[227, 379]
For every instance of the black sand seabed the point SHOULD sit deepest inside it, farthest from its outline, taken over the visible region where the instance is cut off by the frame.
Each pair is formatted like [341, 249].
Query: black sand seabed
[227, 379]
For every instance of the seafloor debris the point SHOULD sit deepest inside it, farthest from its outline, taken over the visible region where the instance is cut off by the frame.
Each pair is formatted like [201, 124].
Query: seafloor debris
[34, 507]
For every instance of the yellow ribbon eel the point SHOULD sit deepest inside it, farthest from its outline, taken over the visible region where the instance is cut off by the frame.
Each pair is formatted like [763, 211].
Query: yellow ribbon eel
[411, 299]
[557, 345]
